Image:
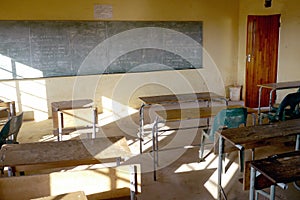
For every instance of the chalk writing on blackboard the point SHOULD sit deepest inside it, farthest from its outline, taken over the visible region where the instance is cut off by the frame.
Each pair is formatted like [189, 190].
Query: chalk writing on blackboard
[33, 49]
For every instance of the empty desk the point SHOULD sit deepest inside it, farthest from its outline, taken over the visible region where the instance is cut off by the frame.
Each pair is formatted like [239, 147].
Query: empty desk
[276, 170]
[59, 107]
[174, 99]
[43, 155]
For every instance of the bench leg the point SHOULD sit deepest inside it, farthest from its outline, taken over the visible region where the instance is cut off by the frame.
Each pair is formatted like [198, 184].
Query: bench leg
[252, 184]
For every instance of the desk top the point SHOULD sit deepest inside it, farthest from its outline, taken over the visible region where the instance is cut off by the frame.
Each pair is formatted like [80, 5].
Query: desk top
[72, 104]
[281, 168]
[250, 136]
[281, 85]
[191, 113]
[64, 153]
[3, 108]
[202, 96]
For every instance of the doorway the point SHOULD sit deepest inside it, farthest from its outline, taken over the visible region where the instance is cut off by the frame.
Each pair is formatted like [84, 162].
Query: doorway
[261, 57]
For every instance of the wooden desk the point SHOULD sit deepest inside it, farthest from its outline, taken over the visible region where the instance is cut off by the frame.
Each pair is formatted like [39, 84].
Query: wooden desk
[273, 87]
[255, 136]
[276, 170]
[59, 107]
[10, 107]
[174, 99]
[43, 155]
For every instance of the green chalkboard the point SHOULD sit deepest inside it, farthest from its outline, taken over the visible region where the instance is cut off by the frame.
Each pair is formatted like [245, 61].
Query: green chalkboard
[33, 49]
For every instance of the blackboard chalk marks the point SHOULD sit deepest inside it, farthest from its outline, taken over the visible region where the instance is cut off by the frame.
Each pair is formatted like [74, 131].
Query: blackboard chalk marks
[69, 48]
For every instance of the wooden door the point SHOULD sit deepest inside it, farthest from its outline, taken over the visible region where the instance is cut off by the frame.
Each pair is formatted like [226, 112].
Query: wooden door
[262, 56]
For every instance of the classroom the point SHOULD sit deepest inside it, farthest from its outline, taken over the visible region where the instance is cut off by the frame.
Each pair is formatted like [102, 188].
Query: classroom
[117, 98]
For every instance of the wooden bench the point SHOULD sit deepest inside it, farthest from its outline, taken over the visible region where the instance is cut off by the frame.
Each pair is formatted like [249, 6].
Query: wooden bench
[105, 183]
[45, 155]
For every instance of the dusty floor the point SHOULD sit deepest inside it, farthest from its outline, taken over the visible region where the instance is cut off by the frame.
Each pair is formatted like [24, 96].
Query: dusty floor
[181, 175]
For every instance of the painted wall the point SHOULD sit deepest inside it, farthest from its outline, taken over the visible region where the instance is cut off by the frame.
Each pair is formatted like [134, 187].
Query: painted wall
[289, 47]
[220, 26]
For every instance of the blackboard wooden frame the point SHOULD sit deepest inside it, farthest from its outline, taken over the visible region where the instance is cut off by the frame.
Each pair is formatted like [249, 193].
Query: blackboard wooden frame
[38, 49]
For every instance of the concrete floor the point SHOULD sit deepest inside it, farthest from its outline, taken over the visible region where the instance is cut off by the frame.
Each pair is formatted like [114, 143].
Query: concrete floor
[181, 175]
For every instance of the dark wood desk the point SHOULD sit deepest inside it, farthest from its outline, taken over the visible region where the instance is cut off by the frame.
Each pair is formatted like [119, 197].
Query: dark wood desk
[276, 170]
[174, 99]
[43, 155]
[255, 136]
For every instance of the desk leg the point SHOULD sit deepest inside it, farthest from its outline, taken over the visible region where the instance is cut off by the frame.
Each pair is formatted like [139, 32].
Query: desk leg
[154, 147]
[270, 100]
[297, 148]
[94, 122]
[133, 182]
[60, 125]
[141, 130]
[252, 184]
[220, 167]
[12, 109]
[272, 192]
[259, 102]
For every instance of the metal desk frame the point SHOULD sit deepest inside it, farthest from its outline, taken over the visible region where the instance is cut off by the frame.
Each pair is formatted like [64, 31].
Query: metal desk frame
[250, 136]
[173, 99]
[273, 87]
[180, 115]
[59, 107]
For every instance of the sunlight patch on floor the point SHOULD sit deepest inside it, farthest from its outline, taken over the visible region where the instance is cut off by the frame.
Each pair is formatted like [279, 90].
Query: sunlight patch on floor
[212, 184]
[209, 163]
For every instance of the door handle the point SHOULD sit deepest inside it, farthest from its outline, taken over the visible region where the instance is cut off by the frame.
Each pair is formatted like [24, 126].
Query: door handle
[249, 58]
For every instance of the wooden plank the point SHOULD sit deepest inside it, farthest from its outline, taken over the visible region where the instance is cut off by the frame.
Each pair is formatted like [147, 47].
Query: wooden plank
[255, 135]
[191, 113]
[72, 104]
[42, 155]
[102, 183]
[2, 108]
[68, 196]
[202, 96]
[281, 85]
[229, 147]
[280, 168]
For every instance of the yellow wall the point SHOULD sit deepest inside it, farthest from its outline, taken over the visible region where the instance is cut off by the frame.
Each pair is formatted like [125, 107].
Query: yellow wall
[220, 33]
[224, 40]
[289, 45]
